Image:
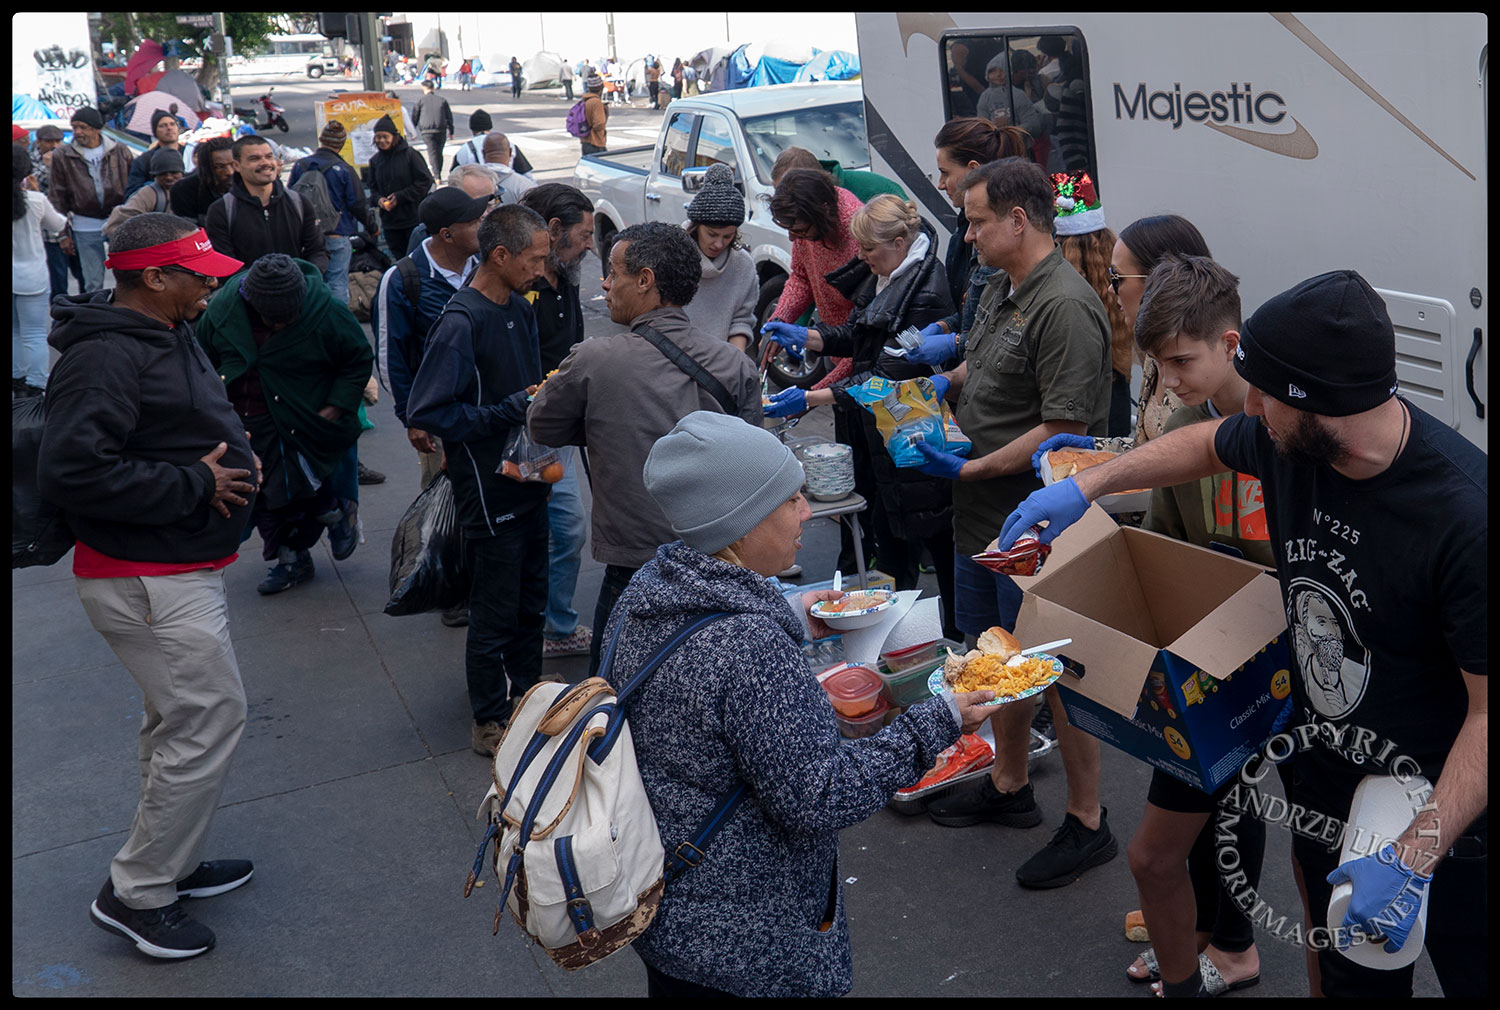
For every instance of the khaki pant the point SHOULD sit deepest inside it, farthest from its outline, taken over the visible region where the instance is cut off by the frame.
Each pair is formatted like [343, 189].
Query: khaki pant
[172, 633]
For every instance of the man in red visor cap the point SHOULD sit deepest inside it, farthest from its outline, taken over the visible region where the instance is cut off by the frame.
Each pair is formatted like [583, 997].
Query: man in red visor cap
[152, 470]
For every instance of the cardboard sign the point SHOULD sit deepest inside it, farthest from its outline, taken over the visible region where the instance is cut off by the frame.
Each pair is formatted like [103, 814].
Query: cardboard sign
[358, 111]
[1182, 650]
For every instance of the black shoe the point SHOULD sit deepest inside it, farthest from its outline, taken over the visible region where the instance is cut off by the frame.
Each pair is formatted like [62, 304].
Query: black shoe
[975, 806]
[214, 878]
[1041, 721]
[161, 932]
[343, 537]
[1073, 849]
[368, 476]
[457, 616]
[284, 575]
[17, 385]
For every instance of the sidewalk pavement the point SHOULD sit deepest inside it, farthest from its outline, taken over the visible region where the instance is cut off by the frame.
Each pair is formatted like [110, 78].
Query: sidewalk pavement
[354, 791]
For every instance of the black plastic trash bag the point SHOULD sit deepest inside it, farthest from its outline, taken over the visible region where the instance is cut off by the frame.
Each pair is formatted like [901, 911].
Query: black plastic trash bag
[38, 533]
[427, 554]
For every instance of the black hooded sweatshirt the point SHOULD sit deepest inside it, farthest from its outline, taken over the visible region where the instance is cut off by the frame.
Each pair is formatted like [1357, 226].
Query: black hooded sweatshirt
[132, 408]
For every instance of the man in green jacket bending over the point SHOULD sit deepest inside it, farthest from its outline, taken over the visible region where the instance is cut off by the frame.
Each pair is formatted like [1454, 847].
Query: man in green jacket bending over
[295, 363]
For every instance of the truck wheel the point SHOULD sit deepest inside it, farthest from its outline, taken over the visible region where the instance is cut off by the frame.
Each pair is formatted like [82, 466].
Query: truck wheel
[781, 369]
[314, 72]
[604, 243]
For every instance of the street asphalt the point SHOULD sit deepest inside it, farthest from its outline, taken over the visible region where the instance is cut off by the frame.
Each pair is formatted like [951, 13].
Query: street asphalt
[354, 791]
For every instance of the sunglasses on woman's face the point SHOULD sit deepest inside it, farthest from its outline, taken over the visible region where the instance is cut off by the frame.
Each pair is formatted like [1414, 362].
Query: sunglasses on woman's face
[1116, 278]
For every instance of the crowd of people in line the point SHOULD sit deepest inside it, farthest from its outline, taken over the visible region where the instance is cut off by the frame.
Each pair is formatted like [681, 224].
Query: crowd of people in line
[1253, 431]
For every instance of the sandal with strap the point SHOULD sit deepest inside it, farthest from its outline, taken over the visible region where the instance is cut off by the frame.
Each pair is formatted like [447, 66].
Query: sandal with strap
[1148, 958]
[1213, 983]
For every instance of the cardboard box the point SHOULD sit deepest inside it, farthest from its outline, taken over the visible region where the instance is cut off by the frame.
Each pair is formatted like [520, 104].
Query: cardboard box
[1182, 651]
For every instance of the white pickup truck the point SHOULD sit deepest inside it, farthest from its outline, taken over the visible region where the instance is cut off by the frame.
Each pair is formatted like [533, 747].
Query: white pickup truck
[745, 129]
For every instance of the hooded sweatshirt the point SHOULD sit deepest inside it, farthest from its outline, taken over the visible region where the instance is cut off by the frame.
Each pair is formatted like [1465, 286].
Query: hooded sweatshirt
[132, 408]
[735, 703]
[400, 171]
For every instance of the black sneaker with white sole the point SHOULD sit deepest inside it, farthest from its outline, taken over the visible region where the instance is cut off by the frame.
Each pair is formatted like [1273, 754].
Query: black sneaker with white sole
[166, 932]
[215, 877]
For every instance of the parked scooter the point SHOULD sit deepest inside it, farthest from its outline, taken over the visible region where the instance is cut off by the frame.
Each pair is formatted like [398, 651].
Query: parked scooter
[275, 114]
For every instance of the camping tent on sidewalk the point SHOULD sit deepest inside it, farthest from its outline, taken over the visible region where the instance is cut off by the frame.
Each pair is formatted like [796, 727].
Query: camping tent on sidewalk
[541, 70]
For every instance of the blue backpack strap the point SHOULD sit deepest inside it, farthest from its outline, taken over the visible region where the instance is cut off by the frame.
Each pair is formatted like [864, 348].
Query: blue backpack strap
[690, 853]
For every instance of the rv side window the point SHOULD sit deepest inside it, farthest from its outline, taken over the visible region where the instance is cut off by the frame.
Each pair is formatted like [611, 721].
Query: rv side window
[1036, 81]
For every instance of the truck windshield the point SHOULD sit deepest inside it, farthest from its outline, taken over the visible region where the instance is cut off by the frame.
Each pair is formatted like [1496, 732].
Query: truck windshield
[832, 132]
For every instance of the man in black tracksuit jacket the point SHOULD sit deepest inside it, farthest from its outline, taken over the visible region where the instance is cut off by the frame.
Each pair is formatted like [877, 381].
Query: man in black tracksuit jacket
[266, 217]
[470, 391]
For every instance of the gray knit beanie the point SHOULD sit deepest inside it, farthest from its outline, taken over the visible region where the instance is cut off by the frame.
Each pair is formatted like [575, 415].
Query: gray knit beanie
[275, 287]
[718, 204]
[717, 477]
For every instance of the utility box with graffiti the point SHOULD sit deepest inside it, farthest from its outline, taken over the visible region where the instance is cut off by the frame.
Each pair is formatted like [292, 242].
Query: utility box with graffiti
[1182, 651]
[52, 60]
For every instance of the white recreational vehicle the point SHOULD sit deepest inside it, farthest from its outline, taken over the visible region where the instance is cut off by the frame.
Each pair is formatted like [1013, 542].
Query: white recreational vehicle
[1296, 143]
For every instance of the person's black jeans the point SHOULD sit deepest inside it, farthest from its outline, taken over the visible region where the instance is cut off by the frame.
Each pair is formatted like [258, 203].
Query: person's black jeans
[397, 239]
[507, 600]
[568, 89]
[659, 985]
[1119, 406]
[434, 140]
[616, 578]
[592, 148]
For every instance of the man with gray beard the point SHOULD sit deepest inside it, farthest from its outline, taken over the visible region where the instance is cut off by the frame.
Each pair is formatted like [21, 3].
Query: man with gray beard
[559, 319]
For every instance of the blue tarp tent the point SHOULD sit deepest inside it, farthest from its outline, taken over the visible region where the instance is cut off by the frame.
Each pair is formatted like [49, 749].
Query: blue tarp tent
[833, 65]
[771, 70]
[739, 70]
[26, 107]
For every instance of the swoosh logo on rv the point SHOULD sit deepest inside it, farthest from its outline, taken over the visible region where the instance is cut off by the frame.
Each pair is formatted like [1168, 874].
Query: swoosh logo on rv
[1297, 144]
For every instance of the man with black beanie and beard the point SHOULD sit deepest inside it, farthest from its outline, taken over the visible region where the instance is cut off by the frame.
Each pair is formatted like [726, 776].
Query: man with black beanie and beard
[559, 322]
[1378, 516]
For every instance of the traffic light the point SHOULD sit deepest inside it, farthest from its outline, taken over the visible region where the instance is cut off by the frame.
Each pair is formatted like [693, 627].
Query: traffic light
[331, 24]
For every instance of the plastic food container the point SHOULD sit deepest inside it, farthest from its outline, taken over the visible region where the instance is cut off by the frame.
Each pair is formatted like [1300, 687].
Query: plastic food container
[865, 725]
[854, 692]
[905, 659]
[908, 686]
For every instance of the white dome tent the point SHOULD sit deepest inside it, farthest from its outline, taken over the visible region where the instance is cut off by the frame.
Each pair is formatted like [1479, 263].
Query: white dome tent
[541, 70]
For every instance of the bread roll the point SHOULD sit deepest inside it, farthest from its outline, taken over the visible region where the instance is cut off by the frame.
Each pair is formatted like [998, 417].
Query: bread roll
[999, 642]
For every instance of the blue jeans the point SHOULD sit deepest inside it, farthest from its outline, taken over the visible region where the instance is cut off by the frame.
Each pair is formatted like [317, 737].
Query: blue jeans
[565, 552]
[29, 321]
[59, 265]
[983, 598]
[91, 255]
[337, 272]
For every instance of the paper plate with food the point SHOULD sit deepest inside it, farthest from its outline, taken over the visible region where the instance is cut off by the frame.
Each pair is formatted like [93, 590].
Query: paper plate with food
[854, 610]
[996, 665]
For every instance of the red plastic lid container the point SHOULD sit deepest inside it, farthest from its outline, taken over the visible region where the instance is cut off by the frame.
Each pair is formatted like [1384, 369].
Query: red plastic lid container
[854, 690]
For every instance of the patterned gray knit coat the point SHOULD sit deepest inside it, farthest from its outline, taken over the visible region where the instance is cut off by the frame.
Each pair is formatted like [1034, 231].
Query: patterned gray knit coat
[736, 703]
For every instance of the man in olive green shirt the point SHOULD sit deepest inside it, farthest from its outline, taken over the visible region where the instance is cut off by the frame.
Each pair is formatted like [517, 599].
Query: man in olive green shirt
[1036, 364]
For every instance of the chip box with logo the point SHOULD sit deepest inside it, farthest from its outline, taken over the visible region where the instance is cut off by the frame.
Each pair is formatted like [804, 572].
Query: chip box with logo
[1179, 654]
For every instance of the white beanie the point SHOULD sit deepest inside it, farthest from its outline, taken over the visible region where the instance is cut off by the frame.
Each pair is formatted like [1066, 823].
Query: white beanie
[717, 477]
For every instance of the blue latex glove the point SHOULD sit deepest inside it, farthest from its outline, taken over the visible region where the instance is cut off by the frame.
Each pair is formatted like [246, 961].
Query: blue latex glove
[1387, 896]
[940, 385]
[792, 338]
[1060, 506]
[939, 463]
[1059, 442]
[937, 347]
[792, 400]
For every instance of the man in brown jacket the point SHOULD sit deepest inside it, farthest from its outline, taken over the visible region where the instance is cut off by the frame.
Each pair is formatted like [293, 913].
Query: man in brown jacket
[594, 113]
[89, 177]
[617, 395]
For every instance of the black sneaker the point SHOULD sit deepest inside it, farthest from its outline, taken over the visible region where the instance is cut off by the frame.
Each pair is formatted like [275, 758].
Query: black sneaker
[161, 932]
[1073, 849]
[975, 806]
[343, 537]
[286, 575]
[214, 878]
[457, 616]
[1042, 723]
[368, 476]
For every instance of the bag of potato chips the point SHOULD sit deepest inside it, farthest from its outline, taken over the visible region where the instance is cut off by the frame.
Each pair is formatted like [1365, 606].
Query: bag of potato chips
[908, 411]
